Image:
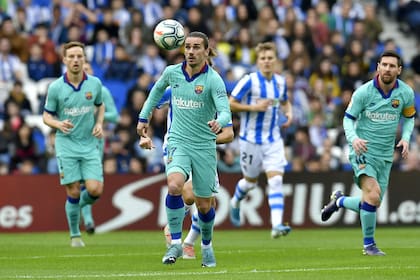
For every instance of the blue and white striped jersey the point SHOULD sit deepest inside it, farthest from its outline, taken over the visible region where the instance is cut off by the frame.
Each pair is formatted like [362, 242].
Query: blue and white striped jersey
[260, 127]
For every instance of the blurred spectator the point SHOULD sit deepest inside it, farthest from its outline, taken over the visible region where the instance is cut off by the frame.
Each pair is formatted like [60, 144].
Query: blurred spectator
[21, 23]
[302, 149]
[103, 51]
[110, 165]
[41, 37]
[18, 45]
[318, 28]
[37, 67]
[18, 96]
[151, 10]
[408, 14]
[137, 165]
[243, 53]
[373, 25]
[330, 87]
[120, 14]
[106, 22]
[151, 62]
[121, 67]
[298, 51]
[25, 149]
[196, 22]
[11, 65]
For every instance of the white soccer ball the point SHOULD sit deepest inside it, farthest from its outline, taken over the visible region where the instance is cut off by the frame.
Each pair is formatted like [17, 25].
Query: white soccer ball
[169, 34]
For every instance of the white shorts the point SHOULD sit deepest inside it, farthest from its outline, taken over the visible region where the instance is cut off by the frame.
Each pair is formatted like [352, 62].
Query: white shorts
[258, 158]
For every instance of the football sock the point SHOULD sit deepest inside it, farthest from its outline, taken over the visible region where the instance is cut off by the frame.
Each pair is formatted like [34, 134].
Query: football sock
[187, 208]
[73, 216]
[276, 200]
[86, 198]
[242, 188]
[206, 222]
[175, 213]
[194, 232]
[349, 202]
[87, 215]
[368, 221]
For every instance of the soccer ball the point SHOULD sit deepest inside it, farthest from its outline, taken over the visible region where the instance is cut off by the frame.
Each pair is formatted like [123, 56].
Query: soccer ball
[169, 34]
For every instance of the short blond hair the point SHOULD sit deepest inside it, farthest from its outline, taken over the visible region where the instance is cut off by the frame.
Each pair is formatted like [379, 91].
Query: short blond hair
[266, 46]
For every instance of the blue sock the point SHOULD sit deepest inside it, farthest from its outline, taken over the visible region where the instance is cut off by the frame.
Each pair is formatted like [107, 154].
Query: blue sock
[206, 222]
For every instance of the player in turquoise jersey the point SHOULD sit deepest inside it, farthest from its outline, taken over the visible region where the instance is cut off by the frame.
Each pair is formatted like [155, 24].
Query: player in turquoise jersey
[70, 109]
[198, 92]
[111, 116]
[370, 124]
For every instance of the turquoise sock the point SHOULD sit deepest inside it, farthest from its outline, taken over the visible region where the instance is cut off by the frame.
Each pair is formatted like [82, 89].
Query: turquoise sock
[73, 216]
[351, 202]
[86, 198]
[175, 213]
[368, 221]
[87, 215]
[206, 222]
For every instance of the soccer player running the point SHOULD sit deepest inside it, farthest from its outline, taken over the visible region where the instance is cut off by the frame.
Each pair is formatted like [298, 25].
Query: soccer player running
[258, 97]
[226, 135]
[111, 116]
[70, 109]
[198, 92]
[370, 124]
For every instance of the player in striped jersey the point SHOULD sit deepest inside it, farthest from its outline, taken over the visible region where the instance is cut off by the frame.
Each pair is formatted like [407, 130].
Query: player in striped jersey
[258, 97]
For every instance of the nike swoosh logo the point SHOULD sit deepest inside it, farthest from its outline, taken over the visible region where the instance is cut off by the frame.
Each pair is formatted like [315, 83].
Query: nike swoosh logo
[132, 207]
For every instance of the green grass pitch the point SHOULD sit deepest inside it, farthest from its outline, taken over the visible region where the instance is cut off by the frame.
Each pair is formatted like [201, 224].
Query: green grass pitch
[314, 254]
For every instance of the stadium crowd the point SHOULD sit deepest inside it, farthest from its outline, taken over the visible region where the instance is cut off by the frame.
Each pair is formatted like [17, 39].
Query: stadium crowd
[327, 49]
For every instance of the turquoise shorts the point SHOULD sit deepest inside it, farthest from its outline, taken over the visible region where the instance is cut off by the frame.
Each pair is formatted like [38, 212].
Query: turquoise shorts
[200, 163]
[373, 167]
[81, 167]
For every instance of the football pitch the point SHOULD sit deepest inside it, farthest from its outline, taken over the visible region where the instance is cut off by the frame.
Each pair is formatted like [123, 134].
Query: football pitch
[327, 253]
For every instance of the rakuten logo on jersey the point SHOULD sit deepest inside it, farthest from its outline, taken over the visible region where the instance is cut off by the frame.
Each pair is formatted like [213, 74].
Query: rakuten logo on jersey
[378, 117]
[187, 104]
[19, 217]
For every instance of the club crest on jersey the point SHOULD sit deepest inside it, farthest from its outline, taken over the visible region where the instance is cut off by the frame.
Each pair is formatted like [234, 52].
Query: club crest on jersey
[88, 95]
[199, 89]
[395, 103]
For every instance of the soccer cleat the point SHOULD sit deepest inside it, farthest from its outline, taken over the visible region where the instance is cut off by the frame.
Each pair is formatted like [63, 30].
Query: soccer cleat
[372, 250]
[331, 207]
[174, 251]
[235, 218]
[77, 242]
[167, 235]
[208, 257]
[280, 230]
[90, 228]
[188, 252]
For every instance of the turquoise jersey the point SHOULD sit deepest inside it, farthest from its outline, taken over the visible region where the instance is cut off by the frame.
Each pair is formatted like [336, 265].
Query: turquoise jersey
[377, 117]
[78, 105]
[194, 102]
[111, 112]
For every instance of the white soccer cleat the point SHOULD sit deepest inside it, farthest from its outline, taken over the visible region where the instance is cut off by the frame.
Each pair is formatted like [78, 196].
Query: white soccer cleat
[77, 242]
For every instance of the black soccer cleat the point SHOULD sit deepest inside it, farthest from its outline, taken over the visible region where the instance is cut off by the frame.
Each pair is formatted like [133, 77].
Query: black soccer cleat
[331, 207]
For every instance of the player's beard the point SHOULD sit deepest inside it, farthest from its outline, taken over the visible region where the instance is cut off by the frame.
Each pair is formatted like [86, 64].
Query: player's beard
[388, 79]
